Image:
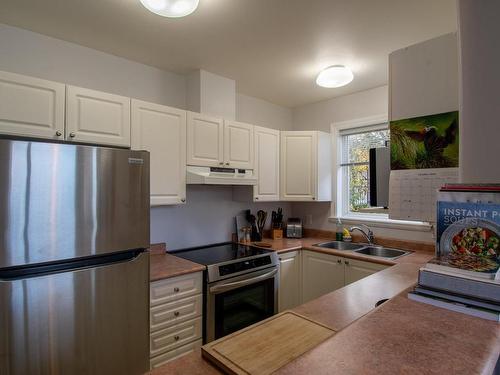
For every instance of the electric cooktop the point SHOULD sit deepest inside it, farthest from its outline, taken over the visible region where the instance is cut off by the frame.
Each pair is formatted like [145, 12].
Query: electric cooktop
[229, 259]
[219, 253]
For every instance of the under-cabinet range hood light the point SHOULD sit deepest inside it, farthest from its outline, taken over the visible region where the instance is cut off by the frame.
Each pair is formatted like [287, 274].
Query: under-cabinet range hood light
[219, 176]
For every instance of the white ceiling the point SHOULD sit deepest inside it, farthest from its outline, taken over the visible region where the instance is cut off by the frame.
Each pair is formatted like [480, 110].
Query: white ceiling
[272, 48]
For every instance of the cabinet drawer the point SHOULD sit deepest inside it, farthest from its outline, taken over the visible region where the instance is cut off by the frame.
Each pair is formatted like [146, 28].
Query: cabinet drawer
[175, 288]
[174, 354]
[169, 314]
[171, 338]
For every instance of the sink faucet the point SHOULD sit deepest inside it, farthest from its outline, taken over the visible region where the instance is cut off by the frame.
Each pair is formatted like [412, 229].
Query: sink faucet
[367, 233]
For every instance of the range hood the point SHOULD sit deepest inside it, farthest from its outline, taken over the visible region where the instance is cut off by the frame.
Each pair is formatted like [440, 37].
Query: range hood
[219, 176]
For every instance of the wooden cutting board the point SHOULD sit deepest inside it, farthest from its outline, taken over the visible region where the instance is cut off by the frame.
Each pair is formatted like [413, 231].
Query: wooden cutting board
[266, 346]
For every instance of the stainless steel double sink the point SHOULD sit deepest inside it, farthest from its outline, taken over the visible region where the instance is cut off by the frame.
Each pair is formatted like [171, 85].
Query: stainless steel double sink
[365, 249]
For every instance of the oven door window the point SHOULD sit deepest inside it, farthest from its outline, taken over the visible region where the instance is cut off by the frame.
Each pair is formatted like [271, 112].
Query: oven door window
[241, 307]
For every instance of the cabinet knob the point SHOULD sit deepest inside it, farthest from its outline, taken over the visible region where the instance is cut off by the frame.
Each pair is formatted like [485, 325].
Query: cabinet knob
[221, 163]
[72, 135]
[346, 262]
[227, 163]
[339, 261]
[256, 198]
[58, 133]
[176, 290]
[313, 198]
[183, 200]
[176, 313]
[176, 338]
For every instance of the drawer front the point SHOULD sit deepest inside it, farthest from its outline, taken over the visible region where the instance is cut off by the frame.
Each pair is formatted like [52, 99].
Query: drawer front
[169, 314]
[171, 338]
[174, 354]
[168, 290]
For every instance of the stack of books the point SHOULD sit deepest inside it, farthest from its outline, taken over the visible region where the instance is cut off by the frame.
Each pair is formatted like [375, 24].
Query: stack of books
[465, 274]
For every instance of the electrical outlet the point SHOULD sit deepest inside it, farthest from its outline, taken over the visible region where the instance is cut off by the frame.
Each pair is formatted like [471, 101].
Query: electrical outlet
[309, 219]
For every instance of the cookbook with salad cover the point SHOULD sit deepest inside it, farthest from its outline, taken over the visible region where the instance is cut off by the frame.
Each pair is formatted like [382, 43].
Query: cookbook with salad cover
[468, 234]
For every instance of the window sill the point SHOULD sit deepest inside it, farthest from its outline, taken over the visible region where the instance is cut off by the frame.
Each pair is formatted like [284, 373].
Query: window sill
[383, 223]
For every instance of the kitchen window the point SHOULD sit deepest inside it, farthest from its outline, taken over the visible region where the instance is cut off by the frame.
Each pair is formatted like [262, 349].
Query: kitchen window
[354, 174]
[353, 140]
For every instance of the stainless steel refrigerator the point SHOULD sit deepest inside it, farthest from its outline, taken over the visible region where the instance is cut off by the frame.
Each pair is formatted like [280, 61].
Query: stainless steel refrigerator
[74, 270]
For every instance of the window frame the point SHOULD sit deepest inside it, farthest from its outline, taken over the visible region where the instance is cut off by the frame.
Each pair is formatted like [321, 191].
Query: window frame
[338, 185]
[344, 168]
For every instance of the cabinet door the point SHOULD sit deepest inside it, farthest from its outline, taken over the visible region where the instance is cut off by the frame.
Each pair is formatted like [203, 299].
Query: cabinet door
[356, 270]
[321, 274]
[299, 165]
[31, 107]
[267, 164]
[238, 145]
[290, 281]
[97, 117]
[205, 137]
[161, 130]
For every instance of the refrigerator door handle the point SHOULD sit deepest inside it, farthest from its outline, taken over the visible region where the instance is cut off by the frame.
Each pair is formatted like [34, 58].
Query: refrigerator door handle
[37, 270]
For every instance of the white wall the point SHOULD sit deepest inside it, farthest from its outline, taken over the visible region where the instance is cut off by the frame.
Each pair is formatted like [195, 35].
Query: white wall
[260, 112]
[319, 116]
[206, 218]
[37, 55]
[208, 215]
[479, 32]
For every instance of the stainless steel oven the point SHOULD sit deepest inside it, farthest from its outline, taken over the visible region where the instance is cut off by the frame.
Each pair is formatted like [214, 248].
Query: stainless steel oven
[241, 286]
[237, 302]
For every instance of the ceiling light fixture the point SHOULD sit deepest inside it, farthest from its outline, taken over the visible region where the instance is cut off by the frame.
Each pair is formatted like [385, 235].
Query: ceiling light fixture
[334, 76]
[171, 8]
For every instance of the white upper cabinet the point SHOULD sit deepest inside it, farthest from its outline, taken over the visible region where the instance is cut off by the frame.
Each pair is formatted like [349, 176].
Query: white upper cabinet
[267, 164]
[238, 145]
[161, 130]
[31, 107]
[97, 117]
[205, 138]
[305, 166]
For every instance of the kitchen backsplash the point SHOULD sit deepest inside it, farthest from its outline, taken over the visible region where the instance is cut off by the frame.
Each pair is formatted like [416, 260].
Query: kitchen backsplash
[206, 218]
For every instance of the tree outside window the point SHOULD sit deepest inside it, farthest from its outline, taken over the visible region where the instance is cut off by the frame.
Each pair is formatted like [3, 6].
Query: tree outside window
[355, 164]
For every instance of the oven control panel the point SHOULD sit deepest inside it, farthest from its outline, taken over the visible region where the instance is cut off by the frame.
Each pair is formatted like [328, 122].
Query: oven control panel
[228, 269]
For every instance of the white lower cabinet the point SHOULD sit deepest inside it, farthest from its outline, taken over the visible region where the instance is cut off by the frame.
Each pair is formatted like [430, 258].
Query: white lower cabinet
[356, 269]
[175, 317]
[290, 280]
[321, 274]
[161, 359]
[324, 273]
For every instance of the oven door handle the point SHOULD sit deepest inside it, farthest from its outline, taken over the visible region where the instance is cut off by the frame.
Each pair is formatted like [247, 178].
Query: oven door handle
[237, 284]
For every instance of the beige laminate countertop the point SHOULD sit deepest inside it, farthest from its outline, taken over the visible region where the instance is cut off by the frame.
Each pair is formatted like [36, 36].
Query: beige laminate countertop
[400, 336]
[163, 265]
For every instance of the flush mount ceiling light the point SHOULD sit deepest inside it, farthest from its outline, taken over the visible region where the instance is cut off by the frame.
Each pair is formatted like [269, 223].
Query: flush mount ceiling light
[334, 76]
[171, 8]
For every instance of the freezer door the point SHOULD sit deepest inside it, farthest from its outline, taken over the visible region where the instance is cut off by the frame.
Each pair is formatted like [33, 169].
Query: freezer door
[89, 321]
[61, 201]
